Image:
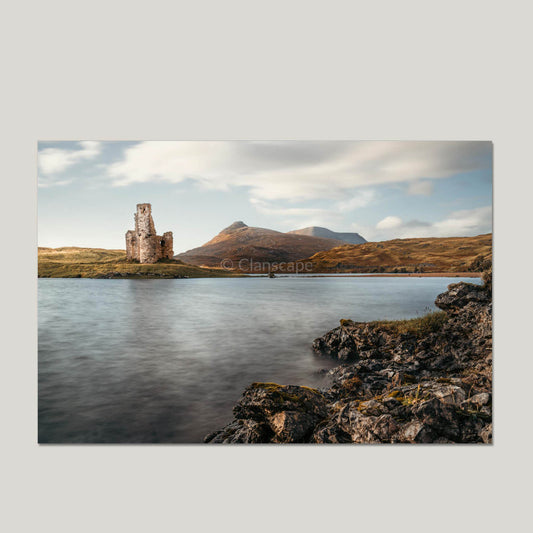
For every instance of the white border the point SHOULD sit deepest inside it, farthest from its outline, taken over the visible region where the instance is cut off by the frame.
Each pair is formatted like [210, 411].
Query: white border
[276, 70]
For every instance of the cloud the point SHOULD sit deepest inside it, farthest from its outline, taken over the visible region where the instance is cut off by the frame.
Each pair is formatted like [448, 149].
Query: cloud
[54, 161]
[361, 199]
[298, 171]
[297, 217]
[268, 209]
[389, 223]
[421, 187]
[467, 222]
[399, 223]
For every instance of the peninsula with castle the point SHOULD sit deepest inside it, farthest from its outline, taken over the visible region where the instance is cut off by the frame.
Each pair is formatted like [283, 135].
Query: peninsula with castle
[147, 256]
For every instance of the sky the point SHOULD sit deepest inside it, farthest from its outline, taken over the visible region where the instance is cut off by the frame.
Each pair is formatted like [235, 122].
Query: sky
[88, 190]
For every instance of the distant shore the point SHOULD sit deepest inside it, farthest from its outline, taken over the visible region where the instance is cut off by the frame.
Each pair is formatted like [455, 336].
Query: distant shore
[70, 262]
[225, 274]
[401, 275]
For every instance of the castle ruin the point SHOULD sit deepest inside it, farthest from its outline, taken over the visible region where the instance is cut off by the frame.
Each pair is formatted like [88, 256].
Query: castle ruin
[142, 244]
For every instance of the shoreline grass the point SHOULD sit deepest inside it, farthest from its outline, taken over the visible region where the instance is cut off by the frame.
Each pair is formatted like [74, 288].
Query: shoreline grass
[419, 326]
[71, 262]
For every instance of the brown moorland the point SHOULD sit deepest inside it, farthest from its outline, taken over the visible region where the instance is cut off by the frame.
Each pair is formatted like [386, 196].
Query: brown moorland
[421, 255]
[74, 262]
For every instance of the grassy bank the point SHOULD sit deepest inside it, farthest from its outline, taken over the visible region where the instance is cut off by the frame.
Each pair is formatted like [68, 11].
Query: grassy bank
[71, 262]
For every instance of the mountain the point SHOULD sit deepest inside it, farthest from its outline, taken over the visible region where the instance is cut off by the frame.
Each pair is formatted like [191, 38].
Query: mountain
[240, 241]
[317, 231]
[445, 254]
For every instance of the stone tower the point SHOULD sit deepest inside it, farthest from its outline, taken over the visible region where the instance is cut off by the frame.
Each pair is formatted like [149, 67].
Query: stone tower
[142, 244]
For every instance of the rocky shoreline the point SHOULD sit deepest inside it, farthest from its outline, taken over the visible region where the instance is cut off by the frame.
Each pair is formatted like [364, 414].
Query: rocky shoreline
[425, 380]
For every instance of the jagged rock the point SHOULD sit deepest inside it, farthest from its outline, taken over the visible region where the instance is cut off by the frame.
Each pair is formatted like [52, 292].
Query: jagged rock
[428, 386]
[268, 412]
[362, 340]
[415, 431]
[486, 434]
[385, 428]
[260, 401]
[372, 407]
[487, 279]
[241, 431]
[367, 429]
[450, 394]
[291, 426]
[337, 343]
[459, 295]
[441, 418]
[483, 398]
[329, 431]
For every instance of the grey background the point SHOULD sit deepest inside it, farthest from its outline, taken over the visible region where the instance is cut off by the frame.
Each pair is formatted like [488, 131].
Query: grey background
[264, 70]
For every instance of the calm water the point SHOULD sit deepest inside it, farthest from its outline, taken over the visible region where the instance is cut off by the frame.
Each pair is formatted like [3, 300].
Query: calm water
[165, 360]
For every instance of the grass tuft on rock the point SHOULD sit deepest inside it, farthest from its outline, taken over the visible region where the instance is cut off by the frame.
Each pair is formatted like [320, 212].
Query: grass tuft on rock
[419, 327]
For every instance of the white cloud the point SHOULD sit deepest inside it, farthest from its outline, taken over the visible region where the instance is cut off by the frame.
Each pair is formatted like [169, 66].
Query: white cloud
[297, 170]
[268, 209]
[467, 222]
[389, 223]
[55, 160]
[297, 217]
[421, 187]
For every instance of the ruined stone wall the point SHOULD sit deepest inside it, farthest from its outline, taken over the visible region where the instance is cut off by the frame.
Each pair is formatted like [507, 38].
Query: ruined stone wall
[144, 222]
[142, 244]
[132, 251]
[167, 245]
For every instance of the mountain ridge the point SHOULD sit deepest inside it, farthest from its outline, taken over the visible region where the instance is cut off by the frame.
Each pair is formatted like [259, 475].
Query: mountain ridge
[318, 231]
[239, 241]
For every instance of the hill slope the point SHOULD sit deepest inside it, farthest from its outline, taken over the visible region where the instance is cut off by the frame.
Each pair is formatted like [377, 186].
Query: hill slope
[449, 254]
[73, 262]
[317, 231]
[240, 241]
